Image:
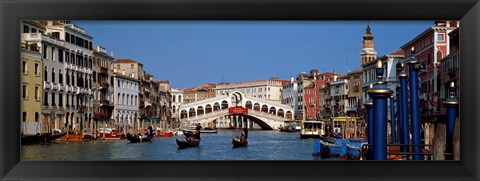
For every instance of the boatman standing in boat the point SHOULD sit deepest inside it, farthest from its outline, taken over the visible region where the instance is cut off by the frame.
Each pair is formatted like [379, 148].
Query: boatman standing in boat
[197, 134]
[245, 132]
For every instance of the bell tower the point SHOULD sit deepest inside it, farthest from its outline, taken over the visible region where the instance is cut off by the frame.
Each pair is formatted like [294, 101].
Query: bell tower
[368, 53]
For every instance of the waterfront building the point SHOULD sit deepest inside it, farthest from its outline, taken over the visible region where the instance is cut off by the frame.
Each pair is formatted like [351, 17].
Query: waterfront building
[339, 96]
[319, 84]
[449, 71]
[290, 94]
[389, 62]
[165, 103]
[198, 93]
[325, 102]
[126, 92]
[102, 86]
[177, 101]
[323, 82]
[68, 56]
[293, 93]
[31, 86]
[355, 94]
[431, 46]
[270, 89]
[134, 69]
[147, 107]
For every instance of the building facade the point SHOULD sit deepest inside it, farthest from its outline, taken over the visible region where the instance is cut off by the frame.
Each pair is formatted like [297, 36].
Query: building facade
[339, 94]
[103, 85]
[263, 89]
[355, 94]
[177, 101]
[430, 47]
[198, 93]
[126, 111]
[31, 91]
[76, 61]
[449, 71]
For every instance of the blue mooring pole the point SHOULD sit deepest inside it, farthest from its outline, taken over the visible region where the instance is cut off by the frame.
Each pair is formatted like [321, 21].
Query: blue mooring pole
[399, 116]
[404, 110]
[392, 119]
[369, 104]
[413, 69]
[380, 93]
[451, 103]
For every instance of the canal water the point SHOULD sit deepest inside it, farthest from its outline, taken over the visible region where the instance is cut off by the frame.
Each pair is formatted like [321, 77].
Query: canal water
[262, 145]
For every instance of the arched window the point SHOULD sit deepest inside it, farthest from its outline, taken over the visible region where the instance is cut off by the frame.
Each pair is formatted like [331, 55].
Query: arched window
[123, 99]
[53, 75]
[60, 76]
[45, 73]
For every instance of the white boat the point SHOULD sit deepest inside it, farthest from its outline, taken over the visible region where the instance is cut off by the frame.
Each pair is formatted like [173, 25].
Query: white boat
[312, 129]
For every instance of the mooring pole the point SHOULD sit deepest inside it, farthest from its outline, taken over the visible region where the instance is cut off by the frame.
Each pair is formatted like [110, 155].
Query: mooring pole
[369, 104]
[399, 116]
[404, 109]
[392, 119]
[413, 69]
[380, 93]
[451, 103]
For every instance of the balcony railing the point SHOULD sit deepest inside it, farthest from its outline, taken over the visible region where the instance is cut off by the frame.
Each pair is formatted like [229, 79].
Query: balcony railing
[42, 37]
[354, 108]
[81, 109]
[47, 85]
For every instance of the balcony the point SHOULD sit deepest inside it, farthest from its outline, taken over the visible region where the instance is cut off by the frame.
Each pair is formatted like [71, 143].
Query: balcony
[81, 109]
[103, 71]
[47, 85]
[352, 109]
[37, 37]
[76, 90]
[55, 86]
[106, 103]
[61, 87]
[147, 103]
[423, 96]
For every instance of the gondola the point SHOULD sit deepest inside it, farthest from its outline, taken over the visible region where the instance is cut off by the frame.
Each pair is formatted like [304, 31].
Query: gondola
[37, 138]
[185, 144]
[135, 139]
[55, 136]
[237, 142]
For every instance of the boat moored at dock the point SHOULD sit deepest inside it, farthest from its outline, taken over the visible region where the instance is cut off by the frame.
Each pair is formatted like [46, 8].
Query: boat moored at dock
[312, 129]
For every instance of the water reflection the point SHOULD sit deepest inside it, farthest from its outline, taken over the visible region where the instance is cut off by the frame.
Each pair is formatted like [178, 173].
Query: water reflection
[263, 145]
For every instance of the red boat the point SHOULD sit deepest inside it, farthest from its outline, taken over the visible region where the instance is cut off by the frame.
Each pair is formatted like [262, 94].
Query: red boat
[108, 134]
[71, 136]
[164, 134]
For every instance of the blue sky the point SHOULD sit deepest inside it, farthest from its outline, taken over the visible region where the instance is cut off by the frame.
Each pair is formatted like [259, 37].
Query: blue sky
[191, 53]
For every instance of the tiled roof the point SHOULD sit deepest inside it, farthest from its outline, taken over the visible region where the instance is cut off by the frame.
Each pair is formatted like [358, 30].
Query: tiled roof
[398, 52]
[125, 61]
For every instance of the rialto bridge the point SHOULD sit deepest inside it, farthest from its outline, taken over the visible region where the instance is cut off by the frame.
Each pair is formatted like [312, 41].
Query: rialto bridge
[235, 110]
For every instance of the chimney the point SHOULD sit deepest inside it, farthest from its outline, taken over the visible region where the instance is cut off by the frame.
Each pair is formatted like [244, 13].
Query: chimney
[335, 77]
[291, 79]
[111, 53]
[49, 23]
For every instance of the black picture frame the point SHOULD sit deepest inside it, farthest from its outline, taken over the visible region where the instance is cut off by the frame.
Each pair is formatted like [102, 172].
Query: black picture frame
[12, 12]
